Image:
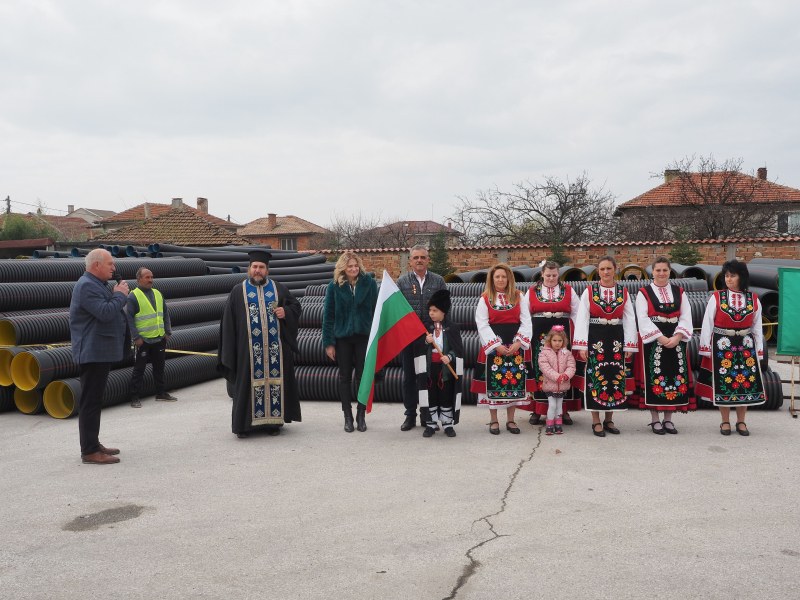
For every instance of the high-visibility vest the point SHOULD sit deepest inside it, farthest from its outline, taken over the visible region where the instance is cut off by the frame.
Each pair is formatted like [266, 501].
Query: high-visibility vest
[149, 321]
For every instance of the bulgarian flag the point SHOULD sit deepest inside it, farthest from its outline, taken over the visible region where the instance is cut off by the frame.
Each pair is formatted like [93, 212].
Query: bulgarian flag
[394, 326]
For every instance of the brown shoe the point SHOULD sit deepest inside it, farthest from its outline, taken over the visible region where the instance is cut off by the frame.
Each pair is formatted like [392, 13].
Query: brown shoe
[98, 458]
[109, 451]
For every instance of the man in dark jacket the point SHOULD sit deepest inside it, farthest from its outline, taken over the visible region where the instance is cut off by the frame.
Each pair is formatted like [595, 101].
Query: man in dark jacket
[97, 328]
[418, 285]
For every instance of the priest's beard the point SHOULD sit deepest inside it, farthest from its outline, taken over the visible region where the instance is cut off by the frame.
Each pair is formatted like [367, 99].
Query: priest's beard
[257, 280]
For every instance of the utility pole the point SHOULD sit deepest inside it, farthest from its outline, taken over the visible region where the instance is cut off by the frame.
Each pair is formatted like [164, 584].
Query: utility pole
[8, 205]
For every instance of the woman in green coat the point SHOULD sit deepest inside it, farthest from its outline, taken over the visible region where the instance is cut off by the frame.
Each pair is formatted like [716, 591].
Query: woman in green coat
[346, 320]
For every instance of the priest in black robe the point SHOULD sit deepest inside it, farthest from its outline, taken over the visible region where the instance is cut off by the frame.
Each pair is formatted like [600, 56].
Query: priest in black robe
[258, 337]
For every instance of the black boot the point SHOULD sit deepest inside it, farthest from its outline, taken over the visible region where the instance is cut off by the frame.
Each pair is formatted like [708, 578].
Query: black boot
[361, 424]
[348, 419]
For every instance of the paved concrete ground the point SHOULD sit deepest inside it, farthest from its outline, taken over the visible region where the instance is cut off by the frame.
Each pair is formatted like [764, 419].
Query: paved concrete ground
[194, 512]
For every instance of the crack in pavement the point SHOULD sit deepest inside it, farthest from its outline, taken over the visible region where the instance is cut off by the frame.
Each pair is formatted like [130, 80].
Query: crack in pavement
[473, 565]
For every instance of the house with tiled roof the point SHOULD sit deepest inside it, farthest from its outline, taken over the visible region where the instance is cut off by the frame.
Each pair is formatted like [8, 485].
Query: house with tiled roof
[176, 226]
[148, 210]
[410, 233]
[286, 233]
[90, 215]
[735, 203]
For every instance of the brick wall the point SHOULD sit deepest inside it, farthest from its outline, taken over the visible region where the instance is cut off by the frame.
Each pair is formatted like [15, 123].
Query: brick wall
[471, 259]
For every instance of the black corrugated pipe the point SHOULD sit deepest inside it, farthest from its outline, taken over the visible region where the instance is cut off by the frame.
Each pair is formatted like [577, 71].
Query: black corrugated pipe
[61, 397]
[17, 296]
[774, 390]
[47, 254]
[71, 270]
[569, 274]
[223, 270]
[136, 251]
[52, 328]
[7, 398]
[34, 329]
[36, 368]
[77, 252]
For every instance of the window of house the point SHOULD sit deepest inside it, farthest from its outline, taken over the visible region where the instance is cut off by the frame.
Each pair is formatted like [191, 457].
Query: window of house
[288, 243]
[789, 223]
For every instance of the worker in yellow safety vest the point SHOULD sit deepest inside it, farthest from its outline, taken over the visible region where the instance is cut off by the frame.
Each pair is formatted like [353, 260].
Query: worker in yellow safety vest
[148, 319]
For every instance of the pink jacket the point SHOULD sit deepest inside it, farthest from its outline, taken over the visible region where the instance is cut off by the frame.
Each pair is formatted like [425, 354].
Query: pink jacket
[552, 364]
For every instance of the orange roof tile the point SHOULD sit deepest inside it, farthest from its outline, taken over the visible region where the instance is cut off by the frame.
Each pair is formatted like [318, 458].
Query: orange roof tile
[137, 214]
[177, 226]
[669, 194]
[288, 225]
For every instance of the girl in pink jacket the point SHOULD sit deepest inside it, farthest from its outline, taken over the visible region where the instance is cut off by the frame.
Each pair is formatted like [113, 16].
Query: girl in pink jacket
[557, 366]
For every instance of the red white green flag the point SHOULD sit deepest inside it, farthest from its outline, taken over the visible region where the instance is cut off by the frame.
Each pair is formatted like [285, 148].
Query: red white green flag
[394, 326]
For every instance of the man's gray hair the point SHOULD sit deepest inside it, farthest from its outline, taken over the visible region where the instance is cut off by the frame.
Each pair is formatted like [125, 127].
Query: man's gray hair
[418, 247]
[97, 255]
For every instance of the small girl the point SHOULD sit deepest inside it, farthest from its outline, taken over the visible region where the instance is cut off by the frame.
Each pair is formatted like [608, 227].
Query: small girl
[558, 367]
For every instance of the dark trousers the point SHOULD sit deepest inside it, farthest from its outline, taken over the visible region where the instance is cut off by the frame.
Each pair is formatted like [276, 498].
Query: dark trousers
[93, 383]
[410, 391]
[154, 353]
[350, 352]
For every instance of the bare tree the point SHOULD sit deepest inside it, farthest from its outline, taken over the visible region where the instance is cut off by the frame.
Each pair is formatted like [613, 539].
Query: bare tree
[551, 211]
[710, 199]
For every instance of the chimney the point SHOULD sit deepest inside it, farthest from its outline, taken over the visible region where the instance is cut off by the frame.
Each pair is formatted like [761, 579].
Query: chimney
[762, 173]
[202, 205]
[146, 210]
[177, 203]
[671, 174]
[70, 208]
[272, 220]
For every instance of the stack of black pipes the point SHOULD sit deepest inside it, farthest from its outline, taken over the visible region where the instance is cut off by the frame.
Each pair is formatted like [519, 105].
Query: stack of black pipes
[35, 296]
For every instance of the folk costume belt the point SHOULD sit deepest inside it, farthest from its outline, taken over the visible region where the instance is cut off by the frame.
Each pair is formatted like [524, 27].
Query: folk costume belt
[731, 331]
[549, 315]
[602, 321]
[658, 319]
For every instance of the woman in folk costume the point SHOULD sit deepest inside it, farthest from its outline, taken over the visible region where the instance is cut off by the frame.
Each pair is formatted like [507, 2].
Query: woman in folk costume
[439, 386]
[605, 337]
[502, 374]
[346, 320]
[662, 373]
[550, 303]
[732, 344]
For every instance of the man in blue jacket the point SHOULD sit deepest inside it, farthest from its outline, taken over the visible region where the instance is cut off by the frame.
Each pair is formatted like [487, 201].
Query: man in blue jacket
[97, 328]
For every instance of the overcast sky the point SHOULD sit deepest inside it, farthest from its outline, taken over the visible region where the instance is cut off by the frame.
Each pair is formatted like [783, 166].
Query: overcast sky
[389, 109]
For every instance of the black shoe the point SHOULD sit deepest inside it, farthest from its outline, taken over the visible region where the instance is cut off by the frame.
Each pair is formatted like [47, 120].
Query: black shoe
[361, 424]
[242, 435]
[566, 419]
[535, 419]
[136, 403]
[559, 429]
[166, 397]
[449, 432]
[671, 429]
[429, 431]
[598, 432]
[274, 431]
[660, 430]
[409, 423]
[609, 427]
[725, 431]
[743, 429]
[549, 430]
[494, 430]
[512, 428]
[348, 421]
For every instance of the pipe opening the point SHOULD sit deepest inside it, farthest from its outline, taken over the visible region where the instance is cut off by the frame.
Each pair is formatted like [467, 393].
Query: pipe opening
[6, 356]
[28, 402]
[25, 371]
[8, 335]
[59, 400]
